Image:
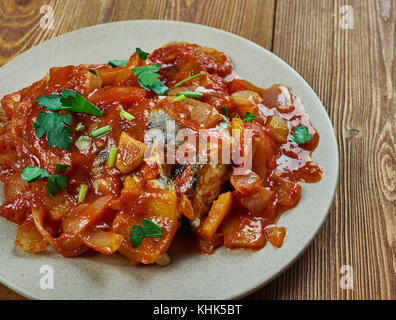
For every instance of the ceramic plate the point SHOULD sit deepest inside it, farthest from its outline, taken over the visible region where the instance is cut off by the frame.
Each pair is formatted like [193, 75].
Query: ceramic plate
[224, 275]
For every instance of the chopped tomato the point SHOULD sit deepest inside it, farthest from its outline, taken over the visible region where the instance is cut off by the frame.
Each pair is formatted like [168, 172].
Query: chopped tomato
[77, 173]
[276, 235]
[123, 95]
[244, 231]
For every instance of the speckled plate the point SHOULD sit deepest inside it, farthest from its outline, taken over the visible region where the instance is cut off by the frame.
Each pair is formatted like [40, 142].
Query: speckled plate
[224, 275]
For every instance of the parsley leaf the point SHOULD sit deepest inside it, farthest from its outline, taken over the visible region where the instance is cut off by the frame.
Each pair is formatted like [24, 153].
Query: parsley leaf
[143, 55]
[301, 135]
[32, 174]
[225, 109]
[55, 183]
[51, 102]
[75, 102]
[249, 117]
[117, 63]
[160, 88]
[148, 229]
[55, 125]
[150, 68]
[148, 78]
[69, 100]
[61, 167]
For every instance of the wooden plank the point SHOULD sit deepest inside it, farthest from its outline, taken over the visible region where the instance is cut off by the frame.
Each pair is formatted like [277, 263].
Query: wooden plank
[20, 19]
[353, 73]
[7, 294]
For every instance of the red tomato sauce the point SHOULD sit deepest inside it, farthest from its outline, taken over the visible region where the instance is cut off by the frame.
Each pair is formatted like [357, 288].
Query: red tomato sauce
[121, 196]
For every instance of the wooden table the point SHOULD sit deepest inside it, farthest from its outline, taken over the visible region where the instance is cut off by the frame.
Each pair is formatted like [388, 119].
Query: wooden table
[353, 73]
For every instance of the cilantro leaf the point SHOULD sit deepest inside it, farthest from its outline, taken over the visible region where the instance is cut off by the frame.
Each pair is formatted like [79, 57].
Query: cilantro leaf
[55, 183]
[225, 109]
[160, 88]
[148, 78]
[301, 135]
[143, 55]
[55, 125]
[117, 63]
[51, 102]
[75, 102]
[148, 229]
[32, 174]
[61, 167]
[150, 68]
[249, 117]
[69, 100]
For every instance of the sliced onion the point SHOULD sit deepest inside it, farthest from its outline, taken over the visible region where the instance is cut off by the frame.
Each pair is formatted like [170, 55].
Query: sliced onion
[246, 97]
[86, 216]
[83, 143]
[65, 245]
[102, 241]
[38, 217]
[29, 238]
[203, 113]
[246, 184]
[257, 202]
[164, 260]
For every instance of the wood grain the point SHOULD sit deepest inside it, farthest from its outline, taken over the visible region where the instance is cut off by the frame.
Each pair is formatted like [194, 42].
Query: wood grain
[353, 73]
[20, 19]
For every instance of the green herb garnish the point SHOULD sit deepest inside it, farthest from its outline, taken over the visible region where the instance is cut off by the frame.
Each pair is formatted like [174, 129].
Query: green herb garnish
[225, 109]
[126, 115]
[188, 79]
[80, 127]
[189, 94]
[301, 135]
[179, 98]
[117, 63]
[148, 229]
[69, 100]
[143, 55]
[55, 125]
[55, 183]
[83, 193]
[112, 157]
[148, 78]
[61, 167]
[249, 117]
[32, 174]
[100, 131]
